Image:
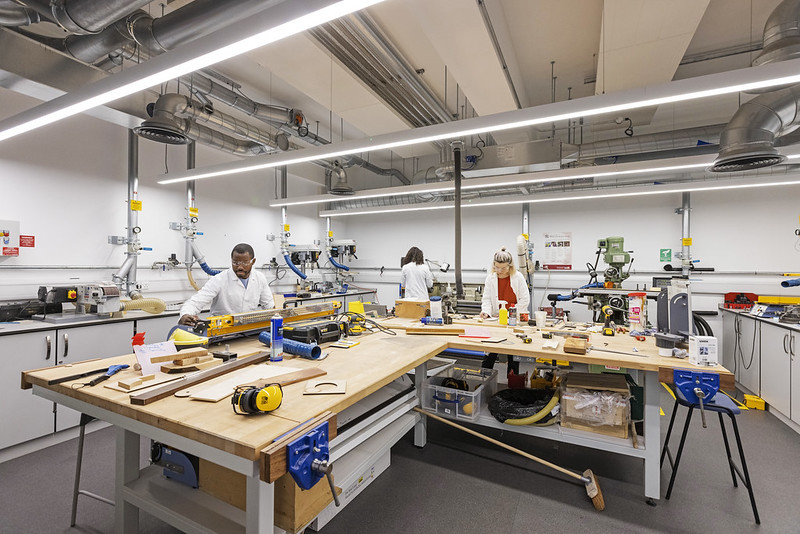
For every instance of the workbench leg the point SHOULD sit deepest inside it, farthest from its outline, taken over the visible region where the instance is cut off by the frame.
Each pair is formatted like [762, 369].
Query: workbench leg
[126, 515]
[652, 435]
[421, 428]
[260, 504]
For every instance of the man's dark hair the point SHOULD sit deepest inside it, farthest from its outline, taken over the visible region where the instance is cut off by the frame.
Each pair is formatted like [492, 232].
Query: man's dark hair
[243, 248]
[414, 255]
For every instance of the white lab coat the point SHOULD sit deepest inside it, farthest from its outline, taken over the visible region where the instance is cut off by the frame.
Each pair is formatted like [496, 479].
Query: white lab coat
[226, 294]
[416, 278]
[489, 304]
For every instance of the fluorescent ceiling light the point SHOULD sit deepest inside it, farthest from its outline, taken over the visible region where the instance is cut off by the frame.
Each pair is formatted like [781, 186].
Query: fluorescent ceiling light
[491, 182]
[661, 189]
[781, 73]
[286, 18]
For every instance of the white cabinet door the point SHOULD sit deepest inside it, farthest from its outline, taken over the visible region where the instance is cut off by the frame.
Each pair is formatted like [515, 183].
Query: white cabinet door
[87, 342]
[746, 350]
[728, 339]
[156, 328]
[795, 409]
[24, 416]
[776, 347]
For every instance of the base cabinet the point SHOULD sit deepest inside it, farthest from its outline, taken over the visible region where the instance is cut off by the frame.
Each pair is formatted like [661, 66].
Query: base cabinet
[777, 348]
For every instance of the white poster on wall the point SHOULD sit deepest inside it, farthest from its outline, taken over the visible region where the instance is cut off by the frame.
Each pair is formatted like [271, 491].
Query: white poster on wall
[558, 251]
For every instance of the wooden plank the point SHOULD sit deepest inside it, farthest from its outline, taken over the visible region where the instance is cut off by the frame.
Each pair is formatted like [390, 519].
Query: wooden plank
[273, 457]
[195, 366]
[727, 380]
[167, 390]
[435, 330]
[290, 378]
[185, 353]
[130, 383]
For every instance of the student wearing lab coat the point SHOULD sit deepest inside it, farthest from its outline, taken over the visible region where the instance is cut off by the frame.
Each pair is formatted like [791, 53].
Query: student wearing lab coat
[234, 290]
[503, 283]
[415, 275]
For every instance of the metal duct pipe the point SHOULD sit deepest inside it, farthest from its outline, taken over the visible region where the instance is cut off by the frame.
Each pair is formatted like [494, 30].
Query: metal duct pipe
[191, 155]
[686, 254]
[155, 36]
[127, 273]
[748, 140]
[14, 15]
[457, 145]
[686, 138]
[84, 16]
[781, 39]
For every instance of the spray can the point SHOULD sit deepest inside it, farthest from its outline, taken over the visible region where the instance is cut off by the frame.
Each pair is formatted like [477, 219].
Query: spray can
[276, 343]
[432, 320]
[512, 316]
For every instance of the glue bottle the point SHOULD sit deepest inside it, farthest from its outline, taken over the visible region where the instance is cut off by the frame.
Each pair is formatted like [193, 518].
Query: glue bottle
[503, 313]
[276, 343]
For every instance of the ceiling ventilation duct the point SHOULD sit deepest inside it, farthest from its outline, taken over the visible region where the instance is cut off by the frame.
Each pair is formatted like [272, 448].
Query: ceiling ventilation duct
[162, 128]
[530, 156]
[341, 187]
[749, 139]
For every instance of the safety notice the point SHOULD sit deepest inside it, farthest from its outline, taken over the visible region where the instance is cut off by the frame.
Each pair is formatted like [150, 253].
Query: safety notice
[557, 251]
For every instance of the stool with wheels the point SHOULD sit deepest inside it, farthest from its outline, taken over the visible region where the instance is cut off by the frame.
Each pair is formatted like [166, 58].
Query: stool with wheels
[85, 419]
[694, 389]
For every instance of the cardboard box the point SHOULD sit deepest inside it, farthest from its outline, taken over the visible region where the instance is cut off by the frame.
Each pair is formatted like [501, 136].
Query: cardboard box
[703, 350]
[596, 403]
[412, 309]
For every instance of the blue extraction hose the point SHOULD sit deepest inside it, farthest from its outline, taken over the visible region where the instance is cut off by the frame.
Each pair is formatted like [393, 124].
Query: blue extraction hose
[310, 351]
[208, 270]
[337, 264]
[293, 267]
[463, 352]
[791, 283]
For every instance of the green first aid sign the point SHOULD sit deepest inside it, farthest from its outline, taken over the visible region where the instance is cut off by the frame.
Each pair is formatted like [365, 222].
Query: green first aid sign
[666, 254]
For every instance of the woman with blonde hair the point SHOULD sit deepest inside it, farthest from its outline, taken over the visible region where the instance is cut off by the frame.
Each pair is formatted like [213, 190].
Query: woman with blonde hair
[503, 283]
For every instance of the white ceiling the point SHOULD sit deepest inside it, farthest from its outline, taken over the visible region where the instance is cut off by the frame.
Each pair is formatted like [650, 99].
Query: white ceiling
[553, 49]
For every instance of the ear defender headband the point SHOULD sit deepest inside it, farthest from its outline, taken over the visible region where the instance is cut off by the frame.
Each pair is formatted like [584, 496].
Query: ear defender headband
[253, 399]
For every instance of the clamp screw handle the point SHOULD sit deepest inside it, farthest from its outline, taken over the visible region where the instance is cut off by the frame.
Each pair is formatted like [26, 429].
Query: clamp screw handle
[700, 395]
[326, 468]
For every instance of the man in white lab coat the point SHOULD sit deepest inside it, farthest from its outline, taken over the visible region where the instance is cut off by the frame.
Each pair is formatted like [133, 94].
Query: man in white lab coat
[235, 290]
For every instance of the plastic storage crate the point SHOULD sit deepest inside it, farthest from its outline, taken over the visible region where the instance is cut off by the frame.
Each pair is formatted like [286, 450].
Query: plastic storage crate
[456, 402]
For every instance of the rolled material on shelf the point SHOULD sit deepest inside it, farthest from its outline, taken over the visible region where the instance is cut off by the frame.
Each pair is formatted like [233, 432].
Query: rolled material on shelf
[309, 351]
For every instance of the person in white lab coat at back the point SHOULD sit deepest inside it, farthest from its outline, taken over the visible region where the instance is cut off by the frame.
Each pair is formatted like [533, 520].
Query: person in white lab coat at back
[234, 290]
[415, 276]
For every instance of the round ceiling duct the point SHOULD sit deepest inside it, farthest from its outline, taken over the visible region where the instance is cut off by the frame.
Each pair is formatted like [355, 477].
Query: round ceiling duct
[162, 131]
[746, 162]
[341, 187]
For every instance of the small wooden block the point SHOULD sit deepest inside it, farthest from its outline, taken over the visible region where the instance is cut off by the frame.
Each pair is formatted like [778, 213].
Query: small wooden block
[575, 345]
[192, 359]
[130, 383]
[185, 353]
[435, 330]
[172, 368]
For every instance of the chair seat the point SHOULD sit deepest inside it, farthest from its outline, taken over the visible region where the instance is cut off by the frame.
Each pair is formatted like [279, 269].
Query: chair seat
[720, 403]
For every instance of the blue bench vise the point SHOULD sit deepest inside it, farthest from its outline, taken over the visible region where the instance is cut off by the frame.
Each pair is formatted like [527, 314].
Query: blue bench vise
[308, 459]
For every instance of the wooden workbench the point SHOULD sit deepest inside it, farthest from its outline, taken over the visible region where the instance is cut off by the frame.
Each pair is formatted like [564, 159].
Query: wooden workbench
[214, 432]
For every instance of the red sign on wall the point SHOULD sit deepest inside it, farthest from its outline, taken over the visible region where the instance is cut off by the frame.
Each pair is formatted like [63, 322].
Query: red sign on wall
[27, 241]
[10, 251]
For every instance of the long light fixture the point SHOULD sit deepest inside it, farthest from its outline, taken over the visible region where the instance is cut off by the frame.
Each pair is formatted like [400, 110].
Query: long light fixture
[648, 190]
[284, 19]
[687, 163]
[751, 78]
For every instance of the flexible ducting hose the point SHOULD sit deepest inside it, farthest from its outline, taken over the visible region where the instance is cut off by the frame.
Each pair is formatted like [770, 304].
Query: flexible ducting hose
[791, 283]
[149, 305]
[293, 267]
[337, 264]
[310, 351]
[463, 352]
[538, 415]
[191, 278]
[208, 270]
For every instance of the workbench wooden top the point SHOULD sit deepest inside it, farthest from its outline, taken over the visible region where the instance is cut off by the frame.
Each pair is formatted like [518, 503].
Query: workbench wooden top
[376, 361]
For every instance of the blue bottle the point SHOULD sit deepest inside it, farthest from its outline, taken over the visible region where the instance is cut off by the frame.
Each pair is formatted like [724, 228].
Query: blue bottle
[276, 343]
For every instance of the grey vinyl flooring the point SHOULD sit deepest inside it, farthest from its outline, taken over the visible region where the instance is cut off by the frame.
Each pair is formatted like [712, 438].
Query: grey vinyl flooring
[460, 484]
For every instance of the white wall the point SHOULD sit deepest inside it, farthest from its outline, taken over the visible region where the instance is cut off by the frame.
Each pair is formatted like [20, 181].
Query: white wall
[67, 185]
[748, 236]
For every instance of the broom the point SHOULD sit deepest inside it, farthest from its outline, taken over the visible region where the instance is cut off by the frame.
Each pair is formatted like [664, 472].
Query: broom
[588, 478]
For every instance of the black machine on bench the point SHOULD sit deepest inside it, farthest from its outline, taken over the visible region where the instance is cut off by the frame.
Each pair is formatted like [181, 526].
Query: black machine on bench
[313, 331]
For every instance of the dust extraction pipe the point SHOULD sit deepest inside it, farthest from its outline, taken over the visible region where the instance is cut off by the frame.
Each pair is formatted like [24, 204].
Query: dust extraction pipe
[284, 233]
[329, 238]
[457, 158]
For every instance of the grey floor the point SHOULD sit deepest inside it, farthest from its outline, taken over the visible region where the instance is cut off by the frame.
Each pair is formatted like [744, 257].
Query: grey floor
[458, 483]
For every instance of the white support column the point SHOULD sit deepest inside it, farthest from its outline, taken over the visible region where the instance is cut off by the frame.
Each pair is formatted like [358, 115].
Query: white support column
[260, 504]
[126, 515]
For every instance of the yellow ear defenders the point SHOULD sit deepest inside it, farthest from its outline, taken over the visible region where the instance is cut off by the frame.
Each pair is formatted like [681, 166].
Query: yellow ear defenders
[253, 399]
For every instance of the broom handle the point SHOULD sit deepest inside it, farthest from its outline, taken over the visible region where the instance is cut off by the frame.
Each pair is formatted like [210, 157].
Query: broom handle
[501, 444]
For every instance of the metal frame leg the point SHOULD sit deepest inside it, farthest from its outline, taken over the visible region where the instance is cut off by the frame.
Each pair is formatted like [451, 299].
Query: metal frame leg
[78, 463]
[669, 434]
[744, 467]
[727, 449]
[421, 427]
[126, 515]
[652, 435]
[680, 451]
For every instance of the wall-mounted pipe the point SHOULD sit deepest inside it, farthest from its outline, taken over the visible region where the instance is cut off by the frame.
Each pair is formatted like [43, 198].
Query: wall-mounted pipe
[127, 273]
[457, 145]
[686, 254]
